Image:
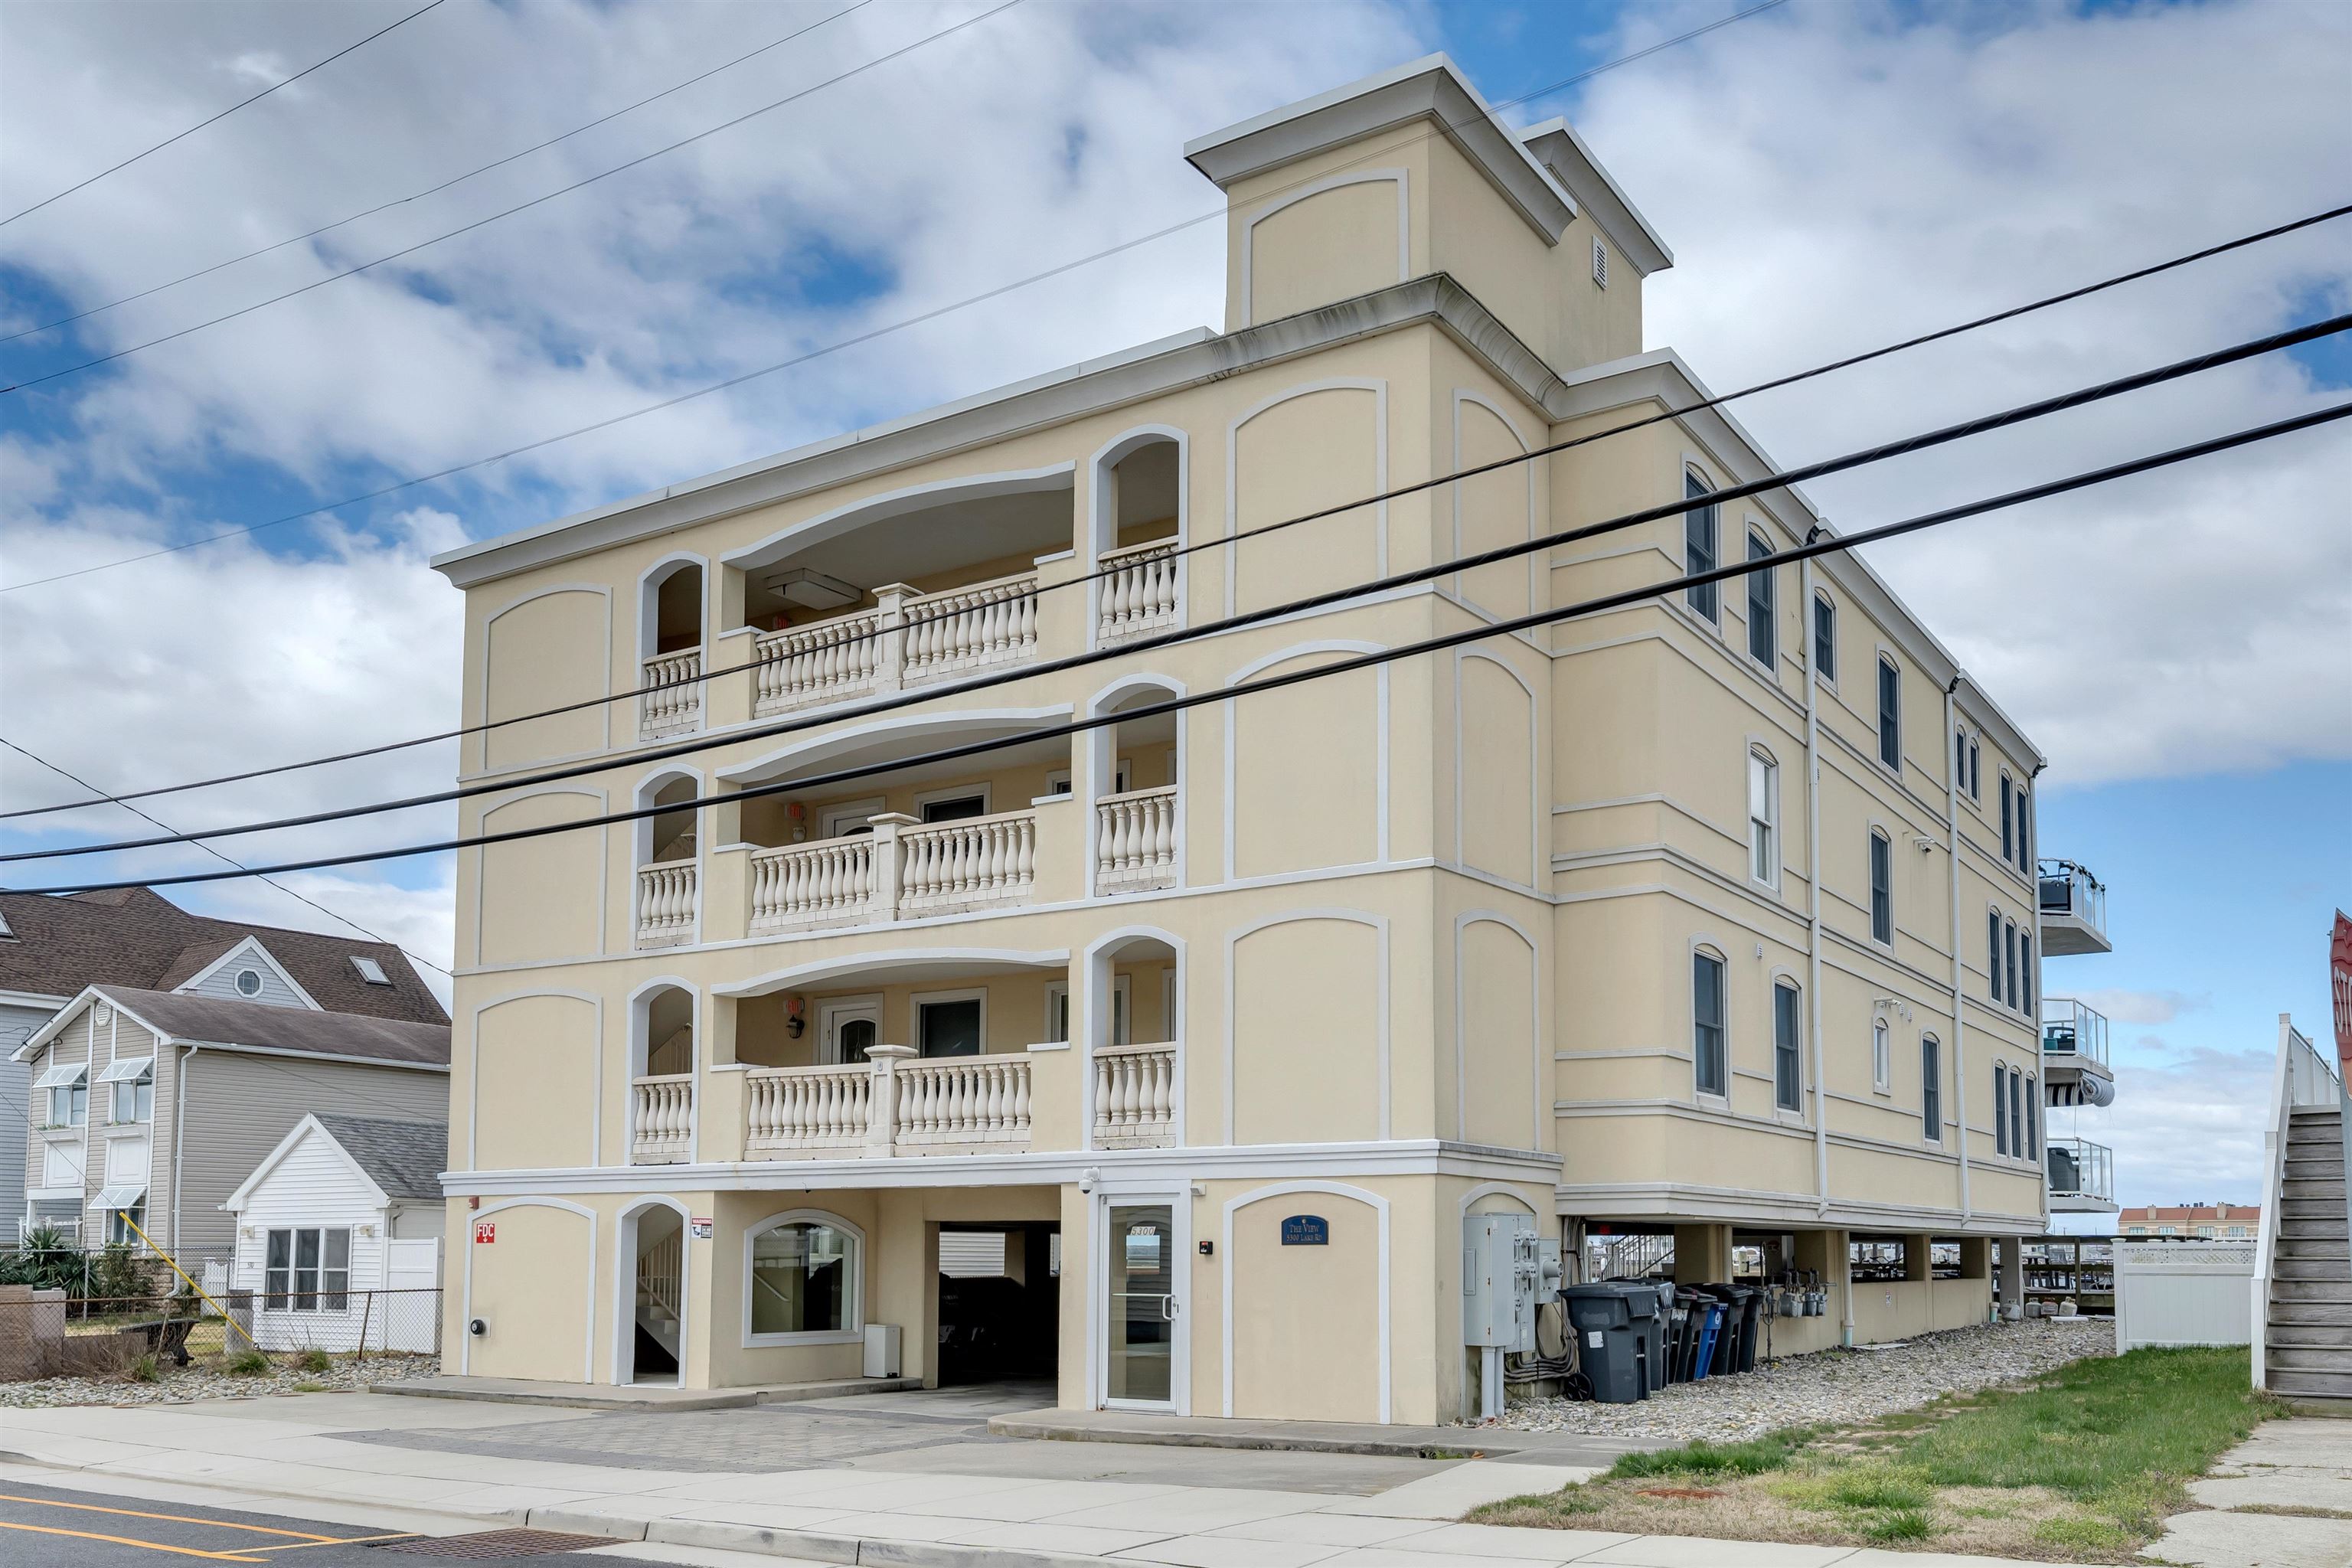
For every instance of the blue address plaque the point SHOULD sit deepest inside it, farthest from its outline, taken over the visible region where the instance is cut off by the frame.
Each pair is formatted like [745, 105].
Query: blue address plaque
[1307, 1230]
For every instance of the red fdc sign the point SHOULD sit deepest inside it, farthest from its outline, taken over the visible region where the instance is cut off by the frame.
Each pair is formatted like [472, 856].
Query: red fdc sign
[486, 1231]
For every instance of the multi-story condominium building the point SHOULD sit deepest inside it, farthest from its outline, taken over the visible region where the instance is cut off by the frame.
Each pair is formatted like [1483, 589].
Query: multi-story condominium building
[165, 1053]
[1701, 917]
[2204, 1222]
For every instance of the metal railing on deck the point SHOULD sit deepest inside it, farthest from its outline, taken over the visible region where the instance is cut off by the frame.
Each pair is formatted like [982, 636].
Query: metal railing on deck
[2069, 1028]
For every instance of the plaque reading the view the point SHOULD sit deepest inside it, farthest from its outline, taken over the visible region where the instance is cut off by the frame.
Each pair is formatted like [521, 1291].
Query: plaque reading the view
[1307, 1230]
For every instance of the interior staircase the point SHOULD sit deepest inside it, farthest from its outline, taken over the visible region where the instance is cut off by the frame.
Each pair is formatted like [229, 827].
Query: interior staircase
[660, 1268]
[2307, 1345]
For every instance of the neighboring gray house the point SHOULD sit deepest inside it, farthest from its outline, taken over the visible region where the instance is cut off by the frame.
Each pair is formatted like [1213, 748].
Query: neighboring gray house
[138, 1019]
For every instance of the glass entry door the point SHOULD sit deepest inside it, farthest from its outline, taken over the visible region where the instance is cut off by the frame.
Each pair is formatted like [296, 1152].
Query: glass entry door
[1142, 1304]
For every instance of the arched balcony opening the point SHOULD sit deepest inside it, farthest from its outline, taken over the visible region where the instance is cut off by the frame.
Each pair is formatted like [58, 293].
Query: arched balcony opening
[669, 902]
[1131, 1024]
[1138, 521]
[670, 616]
[661, 1075]
[1133, 769]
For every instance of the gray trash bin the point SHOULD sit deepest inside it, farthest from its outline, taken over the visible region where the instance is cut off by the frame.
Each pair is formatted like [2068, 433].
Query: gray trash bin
[1658, 1335]
[1609, 1344]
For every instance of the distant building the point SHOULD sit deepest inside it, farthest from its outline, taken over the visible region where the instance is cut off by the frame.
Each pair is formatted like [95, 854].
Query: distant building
[2204, 1222]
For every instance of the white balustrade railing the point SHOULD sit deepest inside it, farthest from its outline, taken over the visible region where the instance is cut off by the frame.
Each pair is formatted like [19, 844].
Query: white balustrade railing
[1135, 1096]
[964, 628]
[801, 886]
[666, 903]
[672, 700]
[1139, 591]
[978, 1100]
[909, 637]
[661, 1119]
[806, 1108]
[1135, 841]
[976, 863]
[819, 663]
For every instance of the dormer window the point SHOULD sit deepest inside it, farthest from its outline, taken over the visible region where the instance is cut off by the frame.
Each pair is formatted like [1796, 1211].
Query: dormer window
[248, 983]
[370, 969]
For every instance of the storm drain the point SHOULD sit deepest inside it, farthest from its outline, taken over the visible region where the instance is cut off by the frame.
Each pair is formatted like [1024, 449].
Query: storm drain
[495, 1545]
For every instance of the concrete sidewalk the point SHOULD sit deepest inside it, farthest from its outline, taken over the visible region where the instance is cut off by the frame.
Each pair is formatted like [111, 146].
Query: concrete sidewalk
[934, 1497]
[2303, 1464]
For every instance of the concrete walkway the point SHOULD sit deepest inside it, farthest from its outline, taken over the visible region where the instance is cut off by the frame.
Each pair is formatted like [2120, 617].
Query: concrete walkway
[942, 1497]
[2303, 1465]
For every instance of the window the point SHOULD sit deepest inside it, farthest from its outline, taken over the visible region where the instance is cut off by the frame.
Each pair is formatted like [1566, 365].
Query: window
[949, 1027]
[1763, 631]
[67, 1087]
[1960, 759]
[1976, 770]
[1788, 1068]
[1707, 1031]
[1881, 1055]
[133, 1082]
[1057, 1011]
[803, 1277]
[308, 1270]
[2032, 1118]
[1698, 547]
[2000, 1122]
[2024, 839]
[2025, 973]
[369, 970]
[1931, 1089]
[1890, 715]
[1763, 818]
[957, 807]
[1882, 890]
[1992, 952]
[120, 1220]
[248, 983]
[1600, 263]
[2007, 838]
[1824, 638]
[2009, 956]
[2017, 1114]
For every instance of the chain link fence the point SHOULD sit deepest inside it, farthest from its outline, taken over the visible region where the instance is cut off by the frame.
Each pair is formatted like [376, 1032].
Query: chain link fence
[51, 1333]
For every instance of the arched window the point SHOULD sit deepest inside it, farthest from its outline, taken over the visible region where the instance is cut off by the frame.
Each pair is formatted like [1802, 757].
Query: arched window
[2000, 1122]
[2009, 956]
[1992, 952]
[1763, 818]
[1708, 1058]
[1825, 638]
[2033, 1119]
[1881, 1055]
[1763, 606]
[1882, 890]
[1699, 553]
[803, 1280]
[1890, 715]
[1931, 1089]
[1788, 1059]
[2017, 1114]
[2025, 972]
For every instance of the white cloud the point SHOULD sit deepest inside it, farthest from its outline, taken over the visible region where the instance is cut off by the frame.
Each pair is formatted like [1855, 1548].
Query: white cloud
[2121, 1006]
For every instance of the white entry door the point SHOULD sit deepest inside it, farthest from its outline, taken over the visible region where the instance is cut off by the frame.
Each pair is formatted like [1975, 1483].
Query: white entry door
[1142, 1271]
[411, 1302]
[845, 1029]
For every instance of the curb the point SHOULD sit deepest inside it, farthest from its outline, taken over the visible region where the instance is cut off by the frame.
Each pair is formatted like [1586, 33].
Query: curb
[1374, 1447]
[717, 1399]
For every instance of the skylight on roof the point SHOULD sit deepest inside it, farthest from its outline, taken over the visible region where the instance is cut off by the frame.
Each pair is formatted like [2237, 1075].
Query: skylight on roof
[370, 969]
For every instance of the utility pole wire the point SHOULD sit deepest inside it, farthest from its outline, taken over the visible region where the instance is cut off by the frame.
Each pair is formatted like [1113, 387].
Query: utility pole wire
[1317, 672]
[223, 114]
[1984, 424]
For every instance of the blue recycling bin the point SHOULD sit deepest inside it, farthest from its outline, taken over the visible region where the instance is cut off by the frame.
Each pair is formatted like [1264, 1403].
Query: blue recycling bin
[1710, 1328]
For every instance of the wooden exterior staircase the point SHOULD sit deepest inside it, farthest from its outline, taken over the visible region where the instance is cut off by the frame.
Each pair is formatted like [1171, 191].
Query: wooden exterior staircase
[2308, 1343]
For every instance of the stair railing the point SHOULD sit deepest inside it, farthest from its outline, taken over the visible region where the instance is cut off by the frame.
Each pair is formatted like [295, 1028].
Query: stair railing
[2301, 1076]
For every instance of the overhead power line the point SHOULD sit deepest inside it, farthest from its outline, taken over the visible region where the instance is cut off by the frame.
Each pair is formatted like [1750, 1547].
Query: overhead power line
[508, 212]
[1792, 378]
[1865, 456]
[300, 898]
[444, 185]
[1481, 633]
[223, 114]
[840, 344]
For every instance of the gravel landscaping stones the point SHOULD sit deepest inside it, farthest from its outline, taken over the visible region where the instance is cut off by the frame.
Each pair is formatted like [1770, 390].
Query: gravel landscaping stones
[1834, 1388]
[180, 1385]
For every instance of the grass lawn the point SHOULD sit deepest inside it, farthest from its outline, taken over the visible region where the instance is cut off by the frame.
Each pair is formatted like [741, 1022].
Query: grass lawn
[2079, 1466]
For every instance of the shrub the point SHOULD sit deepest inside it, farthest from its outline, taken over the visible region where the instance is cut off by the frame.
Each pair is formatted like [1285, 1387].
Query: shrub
[249, 1363]
[116, 1276]
[314, 1361]
[144, 1370]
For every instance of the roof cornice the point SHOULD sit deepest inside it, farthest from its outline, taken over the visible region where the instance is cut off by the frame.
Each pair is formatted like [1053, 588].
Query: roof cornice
[1556, 145]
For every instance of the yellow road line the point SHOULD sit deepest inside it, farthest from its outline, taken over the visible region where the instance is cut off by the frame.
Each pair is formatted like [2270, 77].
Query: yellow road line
[127, 1540]
[335, 1540]
[171, 1518]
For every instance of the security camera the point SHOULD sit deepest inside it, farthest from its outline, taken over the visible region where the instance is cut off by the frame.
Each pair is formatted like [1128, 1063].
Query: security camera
[478, 1327]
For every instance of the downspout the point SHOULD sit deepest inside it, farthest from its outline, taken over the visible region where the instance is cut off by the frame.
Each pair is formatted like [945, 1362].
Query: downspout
[1959, 997]
[1814, 892]
[180, 1135]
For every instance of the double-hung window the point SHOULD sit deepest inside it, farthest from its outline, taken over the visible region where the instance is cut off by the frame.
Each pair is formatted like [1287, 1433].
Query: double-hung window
[2025, 972]
[2008, 834]
[2025, 837]
[2000, 1122]
[1709, 1067]
[2033, 1119]
[1881, 1055]
[307, 1269]
[1890, 715]
[1788, 1068]
[2017, 1114]
[1882, 890]
[1825, 638]
[67, 1087]
[2009, 956]
[1699, 547]
[1763, 631]
[1763, 818]
[1992, 954]
[130, 1080]
[1931, 1089]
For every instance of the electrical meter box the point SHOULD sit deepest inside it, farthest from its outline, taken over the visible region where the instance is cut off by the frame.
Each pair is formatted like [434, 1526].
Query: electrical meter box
[1507, 1270]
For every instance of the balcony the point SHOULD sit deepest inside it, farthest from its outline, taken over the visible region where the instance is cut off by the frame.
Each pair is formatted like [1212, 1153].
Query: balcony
[908, 639]
[2074, 911]
[671, 704]
[903, 869]
[2082, 1176]
[1135, 1096]
[2074, 1069]
[1138, 595]
[666, 903]
[661, 1119]
[1135, 841]
[892, 1105]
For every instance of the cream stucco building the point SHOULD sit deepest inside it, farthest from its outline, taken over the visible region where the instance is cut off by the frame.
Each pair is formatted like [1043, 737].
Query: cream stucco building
[1697, 918]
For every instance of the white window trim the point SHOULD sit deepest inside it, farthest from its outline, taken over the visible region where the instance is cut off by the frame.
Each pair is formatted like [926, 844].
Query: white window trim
[852, 1304]
[832, 820]
[1812, 641]
[1778, 981]
[1882, 1063]
[1755, 534]
[1936, 1137]
[1692, 467]
[918, 1000]
[870, 1002]
[1758, 753]
[1880, 833]
[959, 792]
[1703, 947]
[1886, 659]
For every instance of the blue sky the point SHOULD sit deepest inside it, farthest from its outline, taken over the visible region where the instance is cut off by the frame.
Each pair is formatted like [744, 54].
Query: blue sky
[1830, 175]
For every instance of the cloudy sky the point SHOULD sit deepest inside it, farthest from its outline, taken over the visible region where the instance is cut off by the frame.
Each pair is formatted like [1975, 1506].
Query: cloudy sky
[1831, 175]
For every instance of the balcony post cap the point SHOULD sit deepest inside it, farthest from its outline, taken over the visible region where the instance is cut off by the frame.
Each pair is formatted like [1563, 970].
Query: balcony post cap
[889, 591]
[894, 819]
[888, 1053]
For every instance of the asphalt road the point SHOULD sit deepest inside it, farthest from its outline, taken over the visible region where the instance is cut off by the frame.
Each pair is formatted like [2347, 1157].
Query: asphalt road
[49, 1527]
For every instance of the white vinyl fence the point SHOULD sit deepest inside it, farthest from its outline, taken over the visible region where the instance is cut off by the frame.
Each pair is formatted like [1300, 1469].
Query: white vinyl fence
[2183, 1293]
